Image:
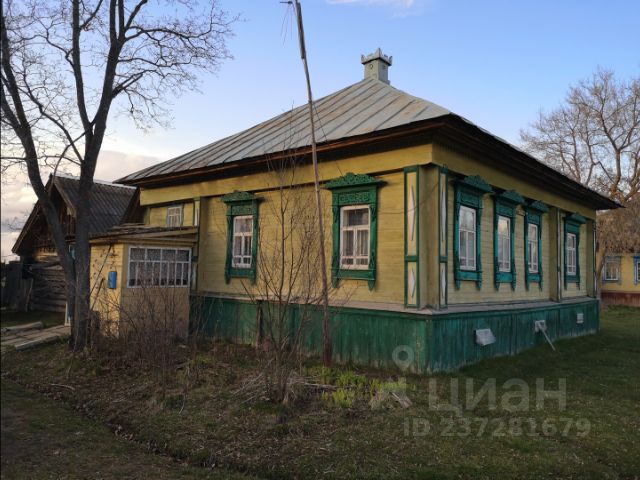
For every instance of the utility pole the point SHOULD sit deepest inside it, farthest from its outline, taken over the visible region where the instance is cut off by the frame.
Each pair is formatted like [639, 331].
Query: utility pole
[326, 330]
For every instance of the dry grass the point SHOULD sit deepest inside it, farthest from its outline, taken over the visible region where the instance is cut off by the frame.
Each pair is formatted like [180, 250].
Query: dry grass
[213, 425]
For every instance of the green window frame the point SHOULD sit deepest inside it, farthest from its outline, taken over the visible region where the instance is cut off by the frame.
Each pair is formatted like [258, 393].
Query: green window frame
[505, 205]
[240, 204]
[572, 224]
[533, 213]
[469, 192]
[348, 191]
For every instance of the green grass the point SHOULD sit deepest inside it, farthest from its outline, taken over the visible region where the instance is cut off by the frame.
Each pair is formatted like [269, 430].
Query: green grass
[49, 319]
[214, 425]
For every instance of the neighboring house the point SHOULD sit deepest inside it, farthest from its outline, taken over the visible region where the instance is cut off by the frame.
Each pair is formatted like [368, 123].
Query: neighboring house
[34, 245]
[621, 279]
[444, 242]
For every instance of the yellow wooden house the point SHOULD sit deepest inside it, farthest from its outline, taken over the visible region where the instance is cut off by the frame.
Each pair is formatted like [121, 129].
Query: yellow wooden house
[621, 279]
[443, 240]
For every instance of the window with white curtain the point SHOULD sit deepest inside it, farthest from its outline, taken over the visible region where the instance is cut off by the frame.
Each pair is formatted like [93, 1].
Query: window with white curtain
[174, 216]
[355, 225]
[532, 244]
[467, 240]
[571, 254]
[612, 269]
[242, 241]
[504, 244]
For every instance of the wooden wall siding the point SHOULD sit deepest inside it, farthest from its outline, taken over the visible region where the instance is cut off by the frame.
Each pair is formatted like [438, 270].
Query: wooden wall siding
[462, 164]
[158, 215]
[630, 299]
[105, 302]
[389, 285]
[438, 342]
[468, 292]
[429, 234]
[364, 337]
[572, 289]
[48, 289]
[116, 307]
[453, 341]
[370, 163]
[626, 283]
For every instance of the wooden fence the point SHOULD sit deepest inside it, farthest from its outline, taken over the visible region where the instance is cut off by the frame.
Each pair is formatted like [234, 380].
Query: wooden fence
[35, 286]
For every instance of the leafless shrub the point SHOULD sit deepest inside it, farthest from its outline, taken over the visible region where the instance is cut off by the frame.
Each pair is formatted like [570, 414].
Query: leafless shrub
[288, 291]
[145, 327]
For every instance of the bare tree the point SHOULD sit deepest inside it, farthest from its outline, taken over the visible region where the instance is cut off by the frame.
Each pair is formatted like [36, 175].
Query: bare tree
[619, 231]
[66, 65]
[326, 331]
[288, 289]
[594, 136]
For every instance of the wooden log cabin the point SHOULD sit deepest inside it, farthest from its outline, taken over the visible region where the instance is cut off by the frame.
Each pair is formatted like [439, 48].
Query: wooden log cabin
[445, 243]
[44, 287]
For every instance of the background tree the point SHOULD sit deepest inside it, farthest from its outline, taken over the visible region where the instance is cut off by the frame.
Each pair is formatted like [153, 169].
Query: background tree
[594, 136]
[67, 66]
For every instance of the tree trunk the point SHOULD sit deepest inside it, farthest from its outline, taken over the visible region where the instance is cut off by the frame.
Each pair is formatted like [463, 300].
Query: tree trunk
[82, 265]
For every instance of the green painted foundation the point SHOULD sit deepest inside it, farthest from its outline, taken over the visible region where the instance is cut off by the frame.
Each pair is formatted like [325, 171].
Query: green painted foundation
[441, 342]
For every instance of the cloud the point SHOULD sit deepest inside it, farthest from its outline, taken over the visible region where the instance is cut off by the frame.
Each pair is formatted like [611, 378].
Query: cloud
[18, 199]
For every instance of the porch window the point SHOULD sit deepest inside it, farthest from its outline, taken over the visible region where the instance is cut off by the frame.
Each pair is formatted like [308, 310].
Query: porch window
[571, 253]
[612, 269]
[467, 238]
[504, 244]
[636, 270]
[242, 241]
[174, 216]
[532, 248]
[355, 228]
[159, 267]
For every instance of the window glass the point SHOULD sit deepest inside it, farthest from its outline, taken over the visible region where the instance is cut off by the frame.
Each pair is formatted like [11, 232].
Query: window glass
[154, 266]
[612, 269]
[467, 240]
[571, 253]
[354, 236]
[174, 216]
[532, 243]
[242, 241]
[504, 244]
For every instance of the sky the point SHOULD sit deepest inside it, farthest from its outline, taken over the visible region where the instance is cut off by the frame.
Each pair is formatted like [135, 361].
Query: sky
[495, 62]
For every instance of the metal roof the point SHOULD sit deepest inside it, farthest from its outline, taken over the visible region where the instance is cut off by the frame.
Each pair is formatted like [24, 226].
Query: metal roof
[364, 107]
[369, 106]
